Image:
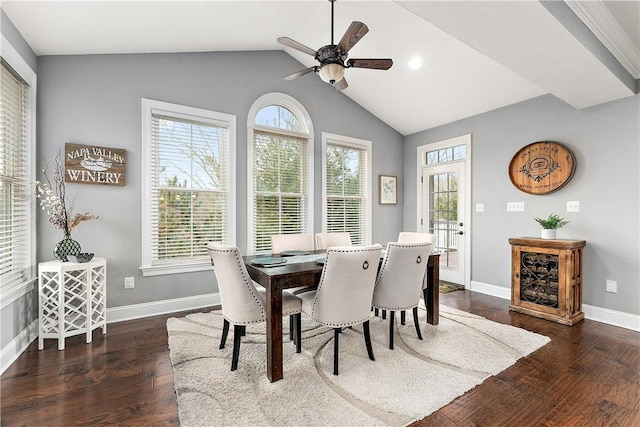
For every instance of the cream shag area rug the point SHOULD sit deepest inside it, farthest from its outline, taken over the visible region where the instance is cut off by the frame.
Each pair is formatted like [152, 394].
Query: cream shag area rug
[402, 385]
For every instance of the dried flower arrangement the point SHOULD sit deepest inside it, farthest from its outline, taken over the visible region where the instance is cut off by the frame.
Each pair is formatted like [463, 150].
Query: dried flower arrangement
[53, 200]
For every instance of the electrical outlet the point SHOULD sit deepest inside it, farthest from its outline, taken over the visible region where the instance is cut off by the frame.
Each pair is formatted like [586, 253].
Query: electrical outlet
[612, 286]
[479, 207]
[129, 283]
[573, 206]
[515, 206]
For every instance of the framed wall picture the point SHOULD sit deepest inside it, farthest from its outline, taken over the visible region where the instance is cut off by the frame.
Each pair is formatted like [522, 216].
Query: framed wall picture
[388, 190]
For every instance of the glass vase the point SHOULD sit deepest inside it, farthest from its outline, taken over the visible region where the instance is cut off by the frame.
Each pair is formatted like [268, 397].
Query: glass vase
[66, 246]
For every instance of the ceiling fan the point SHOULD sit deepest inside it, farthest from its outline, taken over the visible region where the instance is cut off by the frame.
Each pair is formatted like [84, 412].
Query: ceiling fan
[333, 58]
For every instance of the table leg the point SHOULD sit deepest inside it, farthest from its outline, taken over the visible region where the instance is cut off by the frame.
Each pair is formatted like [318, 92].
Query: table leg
[274, 332]
[432, 301]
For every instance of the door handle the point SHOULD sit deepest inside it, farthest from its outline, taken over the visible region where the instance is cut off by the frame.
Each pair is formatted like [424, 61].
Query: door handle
[461, 232]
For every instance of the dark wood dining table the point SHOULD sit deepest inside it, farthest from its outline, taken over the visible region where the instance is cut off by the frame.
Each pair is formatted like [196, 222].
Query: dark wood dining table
[292, 275]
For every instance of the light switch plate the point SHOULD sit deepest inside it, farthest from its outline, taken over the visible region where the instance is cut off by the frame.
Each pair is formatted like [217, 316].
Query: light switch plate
[573, 206]
[515, 206]
[129, 283]
[611, 286]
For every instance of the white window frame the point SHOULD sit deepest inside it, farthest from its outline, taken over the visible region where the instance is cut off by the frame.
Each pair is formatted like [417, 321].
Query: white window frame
[149, 107]
[359, 144]
[291, 104]
[11, 292]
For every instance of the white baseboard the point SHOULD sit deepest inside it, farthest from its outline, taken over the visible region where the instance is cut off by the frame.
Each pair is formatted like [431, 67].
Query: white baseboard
[137, 311]
[493, 290]
[612, 317]
[18, 345]
[598, 314]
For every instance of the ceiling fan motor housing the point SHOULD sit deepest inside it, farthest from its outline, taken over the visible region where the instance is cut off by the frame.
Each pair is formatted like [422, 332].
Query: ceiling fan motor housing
[330, 54]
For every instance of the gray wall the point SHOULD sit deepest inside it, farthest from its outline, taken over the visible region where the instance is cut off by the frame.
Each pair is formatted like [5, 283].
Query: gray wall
[15, 317]
[96, 100]
[17, 41]
[605, 140]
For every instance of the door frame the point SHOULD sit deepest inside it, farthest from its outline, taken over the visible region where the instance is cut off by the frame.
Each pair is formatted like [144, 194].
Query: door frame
[420, 221]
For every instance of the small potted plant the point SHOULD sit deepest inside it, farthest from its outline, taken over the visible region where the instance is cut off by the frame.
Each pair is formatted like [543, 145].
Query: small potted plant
[550, 225]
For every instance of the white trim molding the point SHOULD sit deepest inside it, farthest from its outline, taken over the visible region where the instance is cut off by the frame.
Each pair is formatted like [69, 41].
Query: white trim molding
[597, 314]
[488, 289]
[10, 293]
[177, 111]
[297, 109]
[421, 222]
[18, 345]
[357, 144]
[597, 17]
[155, 308]
[612, 317]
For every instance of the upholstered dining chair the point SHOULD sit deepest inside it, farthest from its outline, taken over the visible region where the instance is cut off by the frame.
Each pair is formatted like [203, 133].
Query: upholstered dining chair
[345, 292]
[326, 240]
[413, 237]
[291, 242]
[242, 302]
[399, 281]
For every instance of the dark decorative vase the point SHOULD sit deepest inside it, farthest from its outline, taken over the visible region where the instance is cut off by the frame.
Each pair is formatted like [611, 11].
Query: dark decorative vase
[66, 246]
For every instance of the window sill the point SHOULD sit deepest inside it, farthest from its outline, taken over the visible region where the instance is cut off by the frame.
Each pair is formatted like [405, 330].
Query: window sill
[175, 269]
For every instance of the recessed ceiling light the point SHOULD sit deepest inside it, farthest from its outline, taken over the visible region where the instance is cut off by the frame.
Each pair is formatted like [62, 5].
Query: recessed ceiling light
[415, 63]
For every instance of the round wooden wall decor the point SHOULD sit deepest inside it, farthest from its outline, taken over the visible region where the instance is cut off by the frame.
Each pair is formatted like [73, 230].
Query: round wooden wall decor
[542, 167]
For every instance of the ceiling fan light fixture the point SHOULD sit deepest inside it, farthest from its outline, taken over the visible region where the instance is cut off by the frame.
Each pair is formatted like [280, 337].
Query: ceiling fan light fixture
[331, 72]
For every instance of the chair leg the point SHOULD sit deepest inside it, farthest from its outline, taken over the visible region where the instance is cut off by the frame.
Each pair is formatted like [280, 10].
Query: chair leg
[225, 332]
[403, 316]
[392, 316]
[298, 328]
[336, 337]
[424, 294]
[375, 312]
[415, 322]
[384, 314]
[367, 339]
[238, 331]
[291, 328]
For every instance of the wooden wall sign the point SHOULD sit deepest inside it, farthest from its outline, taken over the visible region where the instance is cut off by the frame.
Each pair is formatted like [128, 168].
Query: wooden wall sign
[88, 164]
[542, 167]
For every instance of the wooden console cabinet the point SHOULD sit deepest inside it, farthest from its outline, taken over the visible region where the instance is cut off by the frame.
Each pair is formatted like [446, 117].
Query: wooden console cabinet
[546, 278]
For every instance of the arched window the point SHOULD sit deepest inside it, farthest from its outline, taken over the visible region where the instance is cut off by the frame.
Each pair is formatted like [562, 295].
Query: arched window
[280, 170]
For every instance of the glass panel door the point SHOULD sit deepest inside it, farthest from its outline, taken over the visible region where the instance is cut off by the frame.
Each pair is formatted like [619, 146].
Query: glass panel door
[443, 196]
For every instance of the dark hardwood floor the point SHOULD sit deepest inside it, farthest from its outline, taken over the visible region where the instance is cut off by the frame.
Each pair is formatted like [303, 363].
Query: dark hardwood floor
[589, 375]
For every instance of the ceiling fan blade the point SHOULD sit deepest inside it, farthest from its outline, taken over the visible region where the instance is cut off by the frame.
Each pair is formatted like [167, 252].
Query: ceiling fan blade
[341, 85]
[296, 45]
[299, 73]
[354, 33]
[376, 64]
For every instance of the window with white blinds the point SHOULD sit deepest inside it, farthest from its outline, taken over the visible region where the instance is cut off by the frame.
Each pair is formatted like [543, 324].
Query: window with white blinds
[17, 105]
[347, 189]
[279, 169]
[188, 195]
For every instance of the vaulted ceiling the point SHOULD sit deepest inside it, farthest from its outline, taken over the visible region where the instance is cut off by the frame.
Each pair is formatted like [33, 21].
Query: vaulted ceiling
[476, 56]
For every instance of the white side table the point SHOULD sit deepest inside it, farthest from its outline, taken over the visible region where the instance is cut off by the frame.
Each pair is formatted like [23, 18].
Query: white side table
[73, 299]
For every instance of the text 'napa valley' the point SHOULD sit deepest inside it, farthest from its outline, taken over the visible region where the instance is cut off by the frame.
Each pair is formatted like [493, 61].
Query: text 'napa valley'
[87, 164]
